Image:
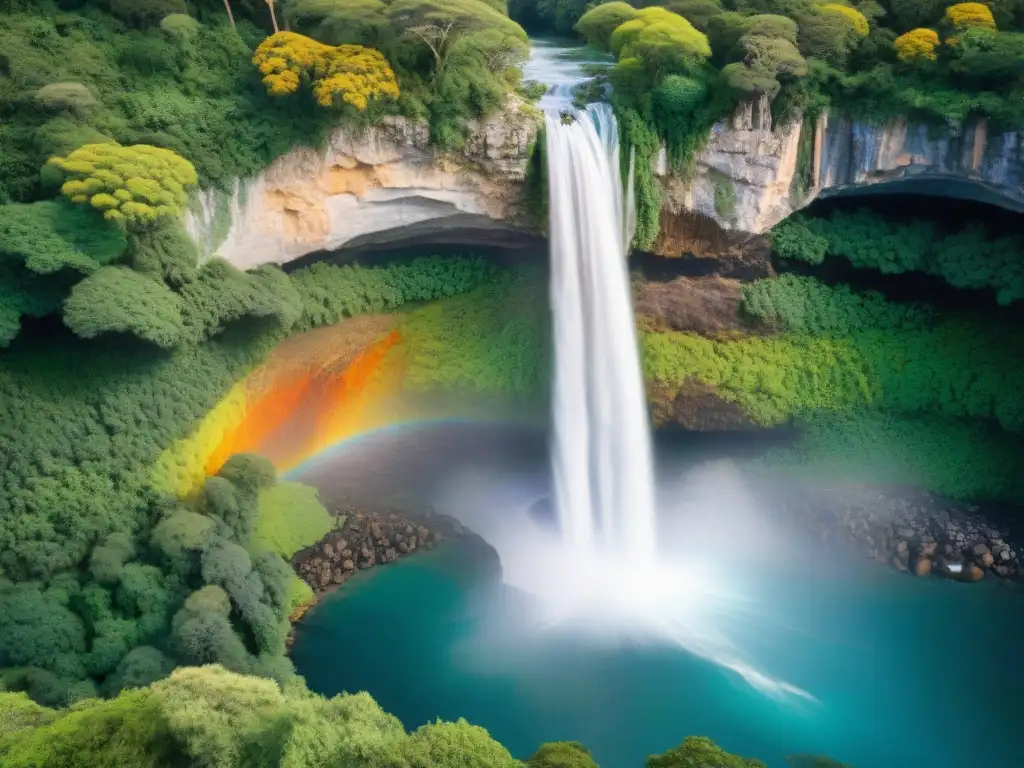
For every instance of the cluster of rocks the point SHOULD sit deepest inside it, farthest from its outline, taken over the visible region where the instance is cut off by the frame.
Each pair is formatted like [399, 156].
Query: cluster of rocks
[368, 538]
[918, 533]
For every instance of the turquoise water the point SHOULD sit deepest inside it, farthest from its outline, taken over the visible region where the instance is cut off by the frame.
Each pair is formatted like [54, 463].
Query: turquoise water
[907, 672]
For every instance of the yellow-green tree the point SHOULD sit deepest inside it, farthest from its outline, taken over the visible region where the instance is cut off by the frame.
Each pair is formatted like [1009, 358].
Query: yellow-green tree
[859, 21]
[597, 24]
[661, 39]
[344, 74]
[917, 45]
[135, 186]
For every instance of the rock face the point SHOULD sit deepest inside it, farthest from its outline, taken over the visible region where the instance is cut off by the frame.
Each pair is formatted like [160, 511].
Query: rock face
[384, 178]
[745, 179]
[368, 538]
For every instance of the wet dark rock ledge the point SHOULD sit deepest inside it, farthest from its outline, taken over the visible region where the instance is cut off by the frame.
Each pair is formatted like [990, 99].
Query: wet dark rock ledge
[911, 531]
[368, 538]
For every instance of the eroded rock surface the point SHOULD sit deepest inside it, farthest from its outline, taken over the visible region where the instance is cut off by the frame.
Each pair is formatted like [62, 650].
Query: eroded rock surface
[748, 176]
[384, 178]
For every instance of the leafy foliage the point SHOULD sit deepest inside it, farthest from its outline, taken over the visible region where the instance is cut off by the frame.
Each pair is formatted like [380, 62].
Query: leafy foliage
[454, 59]
[72, 97]
[917, 45]
[117, 299]
[196, 95]
[490, 340]
[805, 305]
[134, 185]
[968, 258]
[964, 16]
[699, 751]
[345, 74]
[663, 40]
[901, 360]
[597, 25]
[50, 236]
[330, 292]
[561, 754]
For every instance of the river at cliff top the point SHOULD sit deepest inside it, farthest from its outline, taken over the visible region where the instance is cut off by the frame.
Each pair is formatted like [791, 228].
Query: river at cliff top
[892, 670]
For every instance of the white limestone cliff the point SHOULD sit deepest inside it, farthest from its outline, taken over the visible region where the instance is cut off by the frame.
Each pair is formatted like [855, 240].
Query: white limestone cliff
[743, 178]
[382, 179]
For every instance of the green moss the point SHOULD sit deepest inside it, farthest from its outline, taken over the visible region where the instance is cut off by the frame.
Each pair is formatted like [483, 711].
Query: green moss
[291, 518]
[725, 196]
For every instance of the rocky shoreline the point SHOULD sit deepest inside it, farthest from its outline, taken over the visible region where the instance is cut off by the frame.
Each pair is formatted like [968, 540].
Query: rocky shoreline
[369, 537]
[911, 531]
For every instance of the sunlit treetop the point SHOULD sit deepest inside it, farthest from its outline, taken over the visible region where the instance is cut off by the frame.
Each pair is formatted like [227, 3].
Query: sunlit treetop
[964, 16]
[344, 74]
[860, 23]
[597, 24]
[917, 45]
[135, 186]
[662, 39]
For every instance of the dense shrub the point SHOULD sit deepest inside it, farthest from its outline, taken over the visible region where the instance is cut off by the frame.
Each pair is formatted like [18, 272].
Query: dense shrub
[699, 751]
[897, 359]
[662, 40]
[338, 75]
[968, 258]
[562, 754]
[597, 24]
[454, 60]
[329, 292]
[118, 299]
[492, 340]
[805, 305]
[74, 98]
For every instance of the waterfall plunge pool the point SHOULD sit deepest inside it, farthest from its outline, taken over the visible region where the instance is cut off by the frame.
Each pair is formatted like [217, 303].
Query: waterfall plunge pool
[903, 671]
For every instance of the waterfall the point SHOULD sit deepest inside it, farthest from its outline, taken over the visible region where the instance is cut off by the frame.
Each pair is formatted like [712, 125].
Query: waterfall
[601, 452]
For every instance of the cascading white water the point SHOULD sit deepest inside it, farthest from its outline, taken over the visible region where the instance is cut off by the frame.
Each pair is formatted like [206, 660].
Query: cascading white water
[601, 453]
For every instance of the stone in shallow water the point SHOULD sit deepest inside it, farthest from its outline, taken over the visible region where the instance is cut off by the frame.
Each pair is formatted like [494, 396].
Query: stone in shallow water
[923, 567]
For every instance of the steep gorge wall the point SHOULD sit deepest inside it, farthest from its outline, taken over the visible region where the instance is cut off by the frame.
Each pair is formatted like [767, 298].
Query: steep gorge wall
[761, 165]
[366, 183]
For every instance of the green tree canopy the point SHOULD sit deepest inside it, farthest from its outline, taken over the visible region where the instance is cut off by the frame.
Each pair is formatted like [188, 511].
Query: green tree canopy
[597, 24]
[52, 235]
[562, 754]
[117, 299]
[697, 752]
[664, 41]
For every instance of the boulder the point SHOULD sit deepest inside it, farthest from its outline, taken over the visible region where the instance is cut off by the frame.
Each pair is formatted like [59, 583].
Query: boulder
[972, 573]
[980, 549]
[923, 567]
[348, 565]
[986, 560]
